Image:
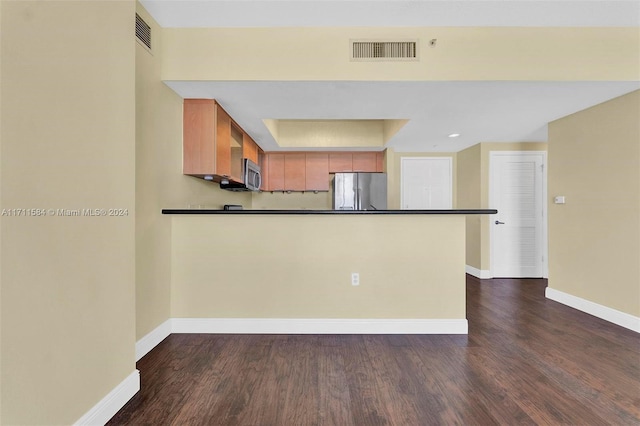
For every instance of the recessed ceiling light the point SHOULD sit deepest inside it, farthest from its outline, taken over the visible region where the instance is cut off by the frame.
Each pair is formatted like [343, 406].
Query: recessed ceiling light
[454, 135]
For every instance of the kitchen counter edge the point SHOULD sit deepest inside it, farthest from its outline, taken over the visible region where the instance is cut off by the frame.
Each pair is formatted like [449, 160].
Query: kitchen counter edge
[338, 212]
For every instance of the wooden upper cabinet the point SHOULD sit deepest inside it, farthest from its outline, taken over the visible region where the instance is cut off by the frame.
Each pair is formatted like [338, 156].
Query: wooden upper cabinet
[364, 161]
[275, 172]
[206, 135]
[250, 149]
[380, 161]
[214, 144]
[310, 171]
[237, 152]
[223, 143]
[263, 161]
[317, 171]
[199, 135]
[294, 171]
[340, 162]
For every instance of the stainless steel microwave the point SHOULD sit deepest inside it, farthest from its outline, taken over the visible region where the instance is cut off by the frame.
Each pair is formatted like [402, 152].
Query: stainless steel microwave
[250, 175]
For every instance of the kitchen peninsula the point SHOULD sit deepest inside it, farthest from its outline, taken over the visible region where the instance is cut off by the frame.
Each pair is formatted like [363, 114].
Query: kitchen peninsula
[319, 271]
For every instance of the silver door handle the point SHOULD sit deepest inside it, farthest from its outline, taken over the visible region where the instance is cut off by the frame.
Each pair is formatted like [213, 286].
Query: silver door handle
[497, 222]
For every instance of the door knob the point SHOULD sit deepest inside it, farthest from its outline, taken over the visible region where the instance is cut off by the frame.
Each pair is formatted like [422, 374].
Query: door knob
[497, 222]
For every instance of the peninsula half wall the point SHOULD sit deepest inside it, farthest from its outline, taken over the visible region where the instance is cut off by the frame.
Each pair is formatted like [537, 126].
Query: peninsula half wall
[291, 272]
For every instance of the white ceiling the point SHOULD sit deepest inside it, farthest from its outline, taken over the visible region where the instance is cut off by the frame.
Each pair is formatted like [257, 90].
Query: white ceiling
[496, 111]
[490, 111]
[396, 13]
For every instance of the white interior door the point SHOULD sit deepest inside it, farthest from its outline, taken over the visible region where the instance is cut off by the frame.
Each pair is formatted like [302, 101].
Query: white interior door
[517, 188]
[426, 183]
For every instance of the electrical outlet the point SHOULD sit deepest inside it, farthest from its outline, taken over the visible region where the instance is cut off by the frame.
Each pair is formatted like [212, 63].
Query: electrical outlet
[355, 278]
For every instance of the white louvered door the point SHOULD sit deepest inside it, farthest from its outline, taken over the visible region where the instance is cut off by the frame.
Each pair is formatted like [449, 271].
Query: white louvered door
[516, 191]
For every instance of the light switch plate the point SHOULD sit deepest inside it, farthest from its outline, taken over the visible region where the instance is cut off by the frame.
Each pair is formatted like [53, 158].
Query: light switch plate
[559, 199]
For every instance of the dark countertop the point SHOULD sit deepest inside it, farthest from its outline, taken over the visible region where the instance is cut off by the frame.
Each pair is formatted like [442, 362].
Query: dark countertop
[367, 212]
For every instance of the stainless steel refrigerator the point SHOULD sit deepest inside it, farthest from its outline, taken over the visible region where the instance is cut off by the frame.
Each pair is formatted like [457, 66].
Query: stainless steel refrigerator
[360, 191]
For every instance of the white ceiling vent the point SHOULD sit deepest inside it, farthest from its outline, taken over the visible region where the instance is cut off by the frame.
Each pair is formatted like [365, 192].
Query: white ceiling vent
[143, 32]
[384, 50]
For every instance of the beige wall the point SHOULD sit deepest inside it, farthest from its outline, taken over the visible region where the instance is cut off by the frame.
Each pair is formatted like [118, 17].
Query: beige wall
[281, 267]
[1, 224]
[160, 183]
[158, 129]
[504, 53]
[594, 239]
[469, 196]
[329, 133]
[68, 142]
[1, 207]
[292, 201]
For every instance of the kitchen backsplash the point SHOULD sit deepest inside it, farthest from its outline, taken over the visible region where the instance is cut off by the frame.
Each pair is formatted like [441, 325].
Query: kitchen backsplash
[292, 201]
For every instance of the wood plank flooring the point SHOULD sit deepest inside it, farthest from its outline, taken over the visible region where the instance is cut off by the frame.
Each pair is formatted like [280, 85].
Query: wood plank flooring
[527, 360]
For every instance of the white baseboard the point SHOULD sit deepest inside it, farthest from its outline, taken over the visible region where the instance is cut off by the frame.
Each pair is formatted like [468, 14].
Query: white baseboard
[298, 326]
[319, 326]
[608, 314]
[113, 402]
[478, 273]
[151, 340]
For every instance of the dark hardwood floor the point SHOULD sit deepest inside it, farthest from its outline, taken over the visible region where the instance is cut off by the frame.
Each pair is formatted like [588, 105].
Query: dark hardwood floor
[526, 360]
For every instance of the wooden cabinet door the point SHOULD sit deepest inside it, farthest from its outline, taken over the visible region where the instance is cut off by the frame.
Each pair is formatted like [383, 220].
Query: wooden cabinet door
[317, 172]
[340, 162]
[237, 152]
[198, 135]
[294, 171]
[263, 161]
[223, 143]
[380, 161]
[364, 161]
[275, 172]
[250, 149]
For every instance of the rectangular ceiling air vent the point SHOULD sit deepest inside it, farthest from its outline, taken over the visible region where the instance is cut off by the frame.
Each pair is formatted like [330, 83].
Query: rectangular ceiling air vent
[143, 32]
[372, 50]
